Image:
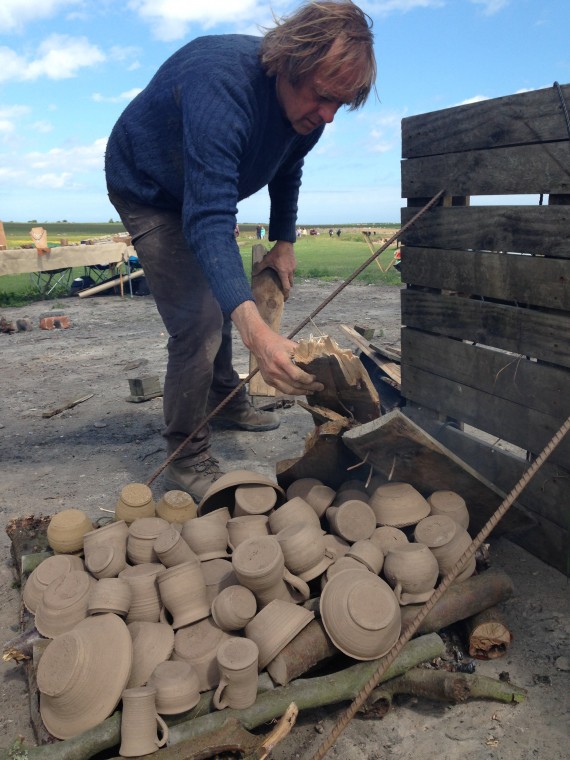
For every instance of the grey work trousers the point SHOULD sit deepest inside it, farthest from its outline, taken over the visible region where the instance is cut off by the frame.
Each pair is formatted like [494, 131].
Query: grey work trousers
[199, 365]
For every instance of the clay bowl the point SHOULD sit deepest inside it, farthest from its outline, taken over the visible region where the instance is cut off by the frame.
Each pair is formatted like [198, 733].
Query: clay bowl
[176, 507]
[412, 571]
[63, 603]
[233, 608]
[198, 644]
[46, 572]
[387, 538]
[352, 521]
[66, 530]
[143, 532]
[368, 553]
[360, 614]
[398, 505]
[275, 626]
[207, 538]
[305, 550]
[218, 575]
[183, 592]
[177, 687]
[448, 541]
[135, 501]
[451, 504]
[248, 526]
[222, 492]
[153, 643]
[314, 492]
[254, 499]
[171, 549]
[109, 595]
[294, 511]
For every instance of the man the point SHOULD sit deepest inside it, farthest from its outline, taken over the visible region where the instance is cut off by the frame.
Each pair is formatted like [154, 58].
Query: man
[223, 117]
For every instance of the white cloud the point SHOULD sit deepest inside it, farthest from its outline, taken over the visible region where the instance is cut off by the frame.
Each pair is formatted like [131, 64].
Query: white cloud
[43, 126]
[123, 96]
[385, 7]
[59, 57]
[474, 99]
[490, 7]
[16, 14]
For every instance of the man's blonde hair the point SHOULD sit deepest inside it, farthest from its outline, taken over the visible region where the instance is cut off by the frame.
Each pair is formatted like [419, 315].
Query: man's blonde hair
[302, 42]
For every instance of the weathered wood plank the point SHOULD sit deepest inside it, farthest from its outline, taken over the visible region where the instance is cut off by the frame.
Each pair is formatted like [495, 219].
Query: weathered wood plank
[515, 423]
[541, 168]
[529, 280]
[24, 260]
[525, 229]
[512, 377]
[401, 450]
[528, 332]
[547, 494]
[516, 119]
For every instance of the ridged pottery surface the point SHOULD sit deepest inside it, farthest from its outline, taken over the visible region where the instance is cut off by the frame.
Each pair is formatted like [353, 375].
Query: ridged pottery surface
[238, 666]
[177, 687]
[183, 593]
[314, 492]
[153, 643]
[109, 595]
[305, 550]
[368, 553]
[294, 511]
[412, 570]
[176, 507]
[105, 561]
[275, 626]
[198, 644]
[140, 723]
[143, 532]
[135, 501]
[46, 572]
[145, 602]
[218, 575]
[222, 492]
[66, 530]
[171, 549]
[451, 504]
[352, 521]
[398, 505]
[233, 608]
[114, 533]
[248, 526]
[63, 603]
[207, 538]
[448, 541]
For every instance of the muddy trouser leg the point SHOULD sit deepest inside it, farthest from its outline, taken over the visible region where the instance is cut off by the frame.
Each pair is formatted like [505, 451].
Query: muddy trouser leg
[192, 318]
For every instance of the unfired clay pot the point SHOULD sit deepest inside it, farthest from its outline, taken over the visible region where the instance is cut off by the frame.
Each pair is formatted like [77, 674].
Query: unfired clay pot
[254, 499]
[294, 511]
[218, 574]
[63, 603]
[171, 549]
[448, 541]
[305, 550]
[275, 626]
[140, 722]
[248, 526]
[142, 535]
[238, 665]
[66, 530]
[198, 644]
[368, 553]
[387, 538]
[176, 507]
[109, 595]
[233, 608]
[135, 501]
[207, 538]
[412, 571]
[451, 504]
[145, 601]
[153, 643]
[398, 505]
[183, 593]
[352, 521]
[177, 687]
[314, 492]
[46, 572]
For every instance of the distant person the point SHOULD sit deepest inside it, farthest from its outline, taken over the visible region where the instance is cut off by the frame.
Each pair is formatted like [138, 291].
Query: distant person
[258, 232]
[331, 232]
[338, 233]
[262, 233]
[223, 117]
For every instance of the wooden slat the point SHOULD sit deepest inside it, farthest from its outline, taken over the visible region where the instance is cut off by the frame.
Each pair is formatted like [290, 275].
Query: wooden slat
[541, 168]
[527, 229]
[390, 368]
[541, 387]
[513, 120]
[523, 331]
[512, 422]
[529, 280]
[24, 260]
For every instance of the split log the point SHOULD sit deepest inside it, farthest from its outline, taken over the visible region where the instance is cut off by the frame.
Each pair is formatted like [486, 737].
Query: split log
[305, 694]
[488, 635]
[463, 600]
[442, 686]
[309, 648]
[67, 405]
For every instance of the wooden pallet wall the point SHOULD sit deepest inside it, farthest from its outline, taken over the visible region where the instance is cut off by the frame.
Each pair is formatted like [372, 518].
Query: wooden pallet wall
[486, 310]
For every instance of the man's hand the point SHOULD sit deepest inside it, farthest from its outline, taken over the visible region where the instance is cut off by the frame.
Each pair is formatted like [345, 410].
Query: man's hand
[273, 353]
[281, 258]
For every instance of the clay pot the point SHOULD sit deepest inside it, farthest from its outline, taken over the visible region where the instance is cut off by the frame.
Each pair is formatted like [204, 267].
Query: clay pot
[46, 572]
[218, 574]
[314, 492]
[220, 515]
[336, 545]
[153, 643]
[222, 492]
[398, 505]
[233, 608]
[412, 571]
[198, 644]
[451, 504]
[66, 530]
[238, 666]
[171, 549]
[305, 550]
[259, 565]
[360, 614]
[177, 687]
[135, 501]
[294, 511]
[240, 528]
[82, 674]
[176, 507]
[145, 601]
[254, 499]
[368, 553]
[387, 538]
[63, 603]
[275, 626]
[139, 723]
[207, 538]
[448, 541]
[142, 535]
[340, 565]
[105, 561]
[183, 593]
[352, 521]
[350, 494]
[109, 595]
[113, 533]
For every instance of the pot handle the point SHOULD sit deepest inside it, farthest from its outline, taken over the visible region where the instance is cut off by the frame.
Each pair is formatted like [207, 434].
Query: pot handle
[164, 729]
[220, 703]
[297, 584]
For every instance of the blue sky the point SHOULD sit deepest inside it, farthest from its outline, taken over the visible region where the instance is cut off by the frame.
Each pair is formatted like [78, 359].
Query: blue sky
[69, 67]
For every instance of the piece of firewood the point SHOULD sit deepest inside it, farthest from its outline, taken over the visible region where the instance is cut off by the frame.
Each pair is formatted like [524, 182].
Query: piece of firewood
[309, 648]
[488, 635]
[67, 405]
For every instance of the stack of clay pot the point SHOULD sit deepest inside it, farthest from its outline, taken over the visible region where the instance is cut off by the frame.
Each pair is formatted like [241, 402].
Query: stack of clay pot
[205, 598]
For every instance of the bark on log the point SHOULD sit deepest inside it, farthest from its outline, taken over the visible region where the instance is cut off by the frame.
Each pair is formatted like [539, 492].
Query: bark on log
[306, 650]
[442, 686]
[488, 635]
[306, 694]
[463, 600]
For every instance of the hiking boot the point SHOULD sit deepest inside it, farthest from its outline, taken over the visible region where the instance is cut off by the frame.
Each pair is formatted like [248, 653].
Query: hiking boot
[244, 416]
[193, 477]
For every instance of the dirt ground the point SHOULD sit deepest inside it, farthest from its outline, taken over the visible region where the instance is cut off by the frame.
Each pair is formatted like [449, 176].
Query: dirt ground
[82, 457]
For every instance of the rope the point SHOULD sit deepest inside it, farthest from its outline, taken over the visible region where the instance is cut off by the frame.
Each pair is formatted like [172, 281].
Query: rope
[297, 329]
[409, 631]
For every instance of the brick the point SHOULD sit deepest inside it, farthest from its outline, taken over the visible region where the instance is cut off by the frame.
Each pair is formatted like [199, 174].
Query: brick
[55, 322]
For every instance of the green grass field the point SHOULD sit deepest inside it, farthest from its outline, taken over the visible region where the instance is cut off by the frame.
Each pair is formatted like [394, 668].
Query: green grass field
[318, 257]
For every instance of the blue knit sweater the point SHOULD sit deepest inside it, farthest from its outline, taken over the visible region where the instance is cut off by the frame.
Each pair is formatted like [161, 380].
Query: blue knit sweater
[205, 133]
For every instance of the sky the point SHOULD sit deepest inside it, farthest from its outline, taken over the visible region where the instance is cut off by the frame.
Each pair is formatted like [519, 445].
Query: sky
[69, 67]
